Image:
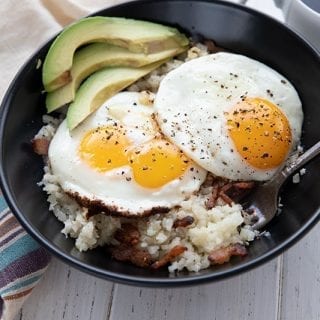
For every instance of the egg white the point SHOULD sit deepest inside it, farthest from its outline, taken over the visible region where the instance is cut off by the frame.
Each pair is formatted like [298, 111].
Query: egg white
[116, 188]
[192, 99]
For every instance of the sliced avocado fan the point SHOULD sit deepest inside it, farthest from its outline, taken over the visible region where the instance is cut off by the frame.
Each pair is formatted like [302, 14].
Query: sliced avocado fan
[101, 86]
[135, 35]
[96, 56]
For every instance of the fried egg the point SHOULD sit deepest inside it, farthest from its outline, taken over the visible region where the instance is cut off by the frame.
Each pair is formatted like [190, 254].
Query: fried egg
[119, 162]
[232, 115]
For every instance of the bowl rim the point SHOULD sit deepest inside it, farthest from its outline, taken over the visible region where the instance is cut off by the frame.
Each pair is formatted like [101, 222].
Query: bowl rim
[193, 278]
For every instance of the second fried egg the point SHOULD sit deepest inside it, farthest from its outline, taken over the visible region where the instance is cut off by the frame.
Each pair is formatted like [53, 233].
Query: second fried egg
[234, 116]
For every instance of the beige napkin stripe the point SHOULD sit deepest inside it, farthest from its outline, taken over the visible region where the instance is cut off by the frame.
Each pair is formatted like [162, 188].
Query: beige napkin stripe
[64, 12]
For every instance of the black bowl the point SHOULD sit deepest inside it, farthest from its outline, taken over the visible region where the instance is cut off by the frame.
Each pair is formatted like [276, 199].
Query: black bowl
[234, 27]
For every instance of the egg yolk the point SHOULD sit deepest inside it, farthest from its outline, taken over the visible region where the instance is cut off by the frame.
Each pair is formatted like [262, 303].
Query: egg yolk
[104, 148]
[260, 131]
[154, 163]
[157, 162]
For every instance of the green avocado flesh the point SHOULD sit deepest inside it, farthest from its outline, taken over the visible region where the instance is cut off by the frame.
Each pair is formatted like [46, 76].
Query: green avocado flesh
[101, 86]
[135, 35]
[96, 56]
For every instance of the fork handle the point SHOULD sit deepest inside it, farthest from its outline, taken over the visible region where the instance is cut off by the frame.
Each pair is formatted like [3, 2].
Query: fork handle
[302, 160]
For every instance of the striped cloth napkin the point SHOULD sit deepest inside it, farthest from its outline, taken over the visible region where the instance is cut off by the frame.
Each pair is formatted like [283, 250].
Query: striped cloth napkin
[22, 263]
[24, 26]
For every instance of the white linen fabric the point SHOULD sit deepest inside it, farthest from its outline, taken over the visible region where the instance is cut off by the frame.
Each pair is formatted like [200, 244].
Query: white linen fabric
[26, 25]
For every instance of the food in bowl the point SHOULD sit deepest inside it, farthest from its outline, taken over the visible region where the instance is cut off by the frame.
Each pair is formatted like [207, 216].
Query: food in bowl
[234, 116]
[153, 173]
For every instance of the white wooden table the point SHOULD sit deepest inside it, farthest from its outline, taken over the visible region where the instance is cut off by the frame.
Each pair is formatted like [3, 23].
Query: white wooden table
[287, 288]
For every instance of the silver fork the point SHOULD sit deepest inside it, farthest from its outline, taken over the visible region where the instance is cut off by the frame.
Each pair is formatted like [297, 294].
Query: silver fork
[263, 202]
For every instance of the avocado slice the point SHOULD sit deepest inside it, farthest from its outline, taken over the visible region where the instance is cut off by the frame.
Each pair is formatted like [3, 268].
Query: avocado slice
[101, 86]
[94, 57]
[135, 35]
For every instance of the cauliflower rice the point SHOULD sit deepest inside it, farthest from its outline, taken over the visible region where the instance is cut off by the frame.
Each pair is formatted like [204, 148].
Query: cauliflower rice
[212, 229]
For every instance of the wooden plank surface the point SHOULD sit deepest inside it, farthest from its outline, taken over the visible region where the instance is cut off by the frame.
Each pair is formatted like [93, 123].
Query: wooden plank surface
[250, 296]
[301, 281]
[287, 288]
[66, 293]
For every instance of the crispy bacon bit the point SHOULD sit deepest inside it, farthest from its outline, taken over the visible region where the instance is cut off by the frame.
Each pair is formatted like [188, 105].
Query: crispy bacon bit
[212, 47]
[229, 192]
[244, 184]
[136, 256]
[234, 191]
[40, 146]
[225, 198]
[227, 186]
[128, 234]
[183, 222]
[223, 255]
[212, 200]
[209, 182]
[169, 256]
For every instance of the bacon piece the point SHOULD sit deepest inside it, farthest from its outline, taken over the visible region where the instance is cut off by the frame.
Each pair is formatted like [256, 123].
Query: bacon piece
[229, 192]
[244, 185]
[169, 256]
[128, 234]
[183, 222]
[209, 182]
[136, 256]
[212, 200]
[234, 191]
[233, 188]
[223, 255]
[212, 47]
[225, 198]
[40, 146]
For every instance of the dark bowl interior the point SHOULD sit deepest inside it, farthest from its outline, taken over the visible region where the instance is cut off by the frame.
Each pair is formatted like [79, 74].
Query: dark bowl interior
[236, 28]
